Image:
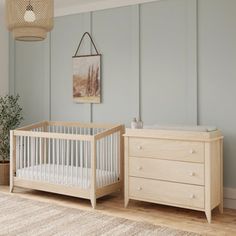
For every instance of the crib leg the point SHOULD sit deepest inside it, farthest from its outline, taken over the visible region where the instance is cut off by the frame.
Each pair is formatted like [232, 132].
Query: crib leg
[11, 184]
[93, 202]
[11, 188]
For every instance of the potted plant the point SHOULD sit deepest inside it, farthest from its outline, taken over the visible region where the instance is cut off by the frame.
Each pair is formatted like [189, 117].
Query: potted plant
[10, 118]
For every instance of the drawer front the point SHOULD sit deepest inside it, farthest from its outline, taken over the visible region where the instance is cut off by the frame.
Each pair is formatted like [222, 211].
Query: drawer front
[166, 192]
[167, 149]
[183, 172]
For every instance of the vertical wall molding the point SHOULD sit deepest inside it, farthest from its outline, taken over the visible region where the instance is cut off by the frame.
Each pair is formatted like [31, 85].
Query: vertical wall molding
[197, 63]
[136, 60]
[50, 77]
[47, 79]
[91, 51]
[192, 91]
[88, 48]
[12, 64]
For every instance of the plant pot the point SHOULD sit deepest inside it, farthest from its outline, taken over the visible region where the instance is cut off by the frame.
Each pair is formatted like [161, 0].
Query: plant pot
[4, 173]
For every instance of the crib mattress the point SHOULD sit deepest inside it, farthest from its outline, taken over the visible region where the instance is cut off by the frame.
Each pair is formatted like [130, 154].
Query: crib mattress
[67, 175]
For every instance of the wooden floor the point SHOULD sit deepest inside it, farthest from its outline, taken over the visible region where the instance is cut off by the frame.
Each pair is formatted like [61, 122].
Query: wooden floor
[222, 224]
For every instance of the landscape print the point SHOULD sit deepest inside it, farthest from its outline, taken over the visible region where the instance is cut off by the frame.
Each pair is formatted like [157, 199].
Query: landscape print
[86, 79]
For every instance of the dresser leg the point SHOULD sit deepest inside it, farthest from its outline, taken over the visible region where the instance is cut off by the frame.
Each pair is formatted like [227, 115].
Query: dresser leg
[221, 208]
[208, 216]
[11, 188]
[126, 201]
[93, 202]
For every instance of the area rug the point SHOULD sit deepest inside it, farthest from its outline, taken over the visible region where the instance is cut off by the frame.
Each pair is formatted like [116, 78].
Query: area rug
[24, 217]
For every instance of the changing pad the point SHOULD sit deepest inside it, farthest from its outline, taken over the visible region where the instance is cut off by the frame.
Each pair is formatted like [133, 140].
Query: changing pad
[197, 128]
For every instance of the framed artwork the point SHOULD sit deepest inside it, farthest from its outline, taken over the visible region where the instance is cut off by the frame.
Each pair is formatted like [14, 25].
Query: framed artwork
[87, 79]
[87, 76]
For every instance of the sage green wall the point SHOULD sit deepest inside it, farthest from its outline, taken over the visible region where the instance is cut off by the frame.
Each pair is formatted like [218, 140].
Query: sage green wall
[4, 57]
[172, 62]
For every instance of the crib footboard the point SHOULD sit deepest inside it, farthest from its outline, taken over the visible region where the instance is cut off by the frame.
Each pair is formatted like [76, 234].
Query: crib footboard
[71, 158]
[108, 162]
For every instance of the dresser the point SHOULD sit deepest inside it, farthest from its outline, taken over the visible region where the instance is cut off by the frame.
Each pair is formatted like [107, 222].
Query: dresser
[175, 167]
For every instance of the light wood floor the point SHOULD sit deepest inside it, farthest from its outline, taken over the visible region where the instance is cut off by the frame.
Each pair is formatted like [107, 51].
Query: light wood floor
[222, 224]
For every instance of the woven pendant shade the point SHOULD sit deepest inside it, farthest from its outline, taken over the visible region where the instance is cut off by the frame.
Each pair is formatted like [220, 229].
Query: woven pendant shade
[29, 20]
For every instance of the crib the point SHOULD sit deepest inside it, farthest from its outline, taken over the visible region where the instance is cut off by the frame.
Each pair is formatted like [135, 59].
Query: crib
[70, 158]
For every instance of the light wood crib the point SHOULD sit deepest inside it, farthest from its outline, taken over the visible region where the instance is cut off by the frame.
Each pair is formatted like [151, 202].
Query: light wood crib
[70, 158]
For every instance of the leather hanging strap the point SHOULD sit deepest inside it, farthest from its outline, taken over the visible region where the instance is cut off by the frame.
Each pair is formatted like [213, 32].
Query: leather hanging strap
[86, 33]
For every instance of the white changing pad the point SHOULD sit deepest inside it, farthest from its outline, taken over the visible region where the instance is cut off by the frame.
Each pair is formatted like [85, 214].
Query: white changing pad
[197, 128]
[57, 174]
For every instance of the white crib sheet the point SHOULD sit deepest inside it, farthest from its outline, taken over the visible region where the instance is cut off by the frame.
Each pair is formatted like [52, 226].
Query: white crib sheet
[57, 174]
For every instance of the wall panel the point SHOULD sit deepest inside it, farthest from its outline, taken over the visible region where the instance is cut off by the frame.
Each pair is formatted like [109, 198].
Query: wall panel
[31, 79]
[168, 62]
[115, 33]
[4, 56]
[217, 75]
[64, 41]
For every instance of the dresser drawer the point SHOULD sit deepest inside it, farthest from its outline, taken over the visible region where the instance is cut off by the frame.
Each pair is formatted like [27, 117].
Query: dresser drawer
[166, 192]
[167, 149]
[184, 172]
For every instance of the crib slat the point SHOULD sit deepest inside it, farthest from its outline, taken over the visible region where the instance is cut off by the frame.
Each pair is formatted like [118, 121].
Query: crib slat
[81, 163]
[72, 160]
[63, 158]
[44, 158]
[53, 158]
[24, 156]
[17, 152]
[21, 152]
[107, 160]
[77, 161]
[40, 157]
[28, 157]
[32, 157]
[67, 161]
[86, 163]
[57, 155]
[49, 158]
[116, 156]
[36, 158]
[103, 161]
[76, 156]
[118, 153]
[98, 163]
[112, 158]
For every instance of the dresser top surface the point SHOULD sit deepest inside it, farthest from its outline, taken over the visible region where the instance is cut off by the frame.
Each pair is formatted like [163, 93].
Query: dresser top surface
[174, 134]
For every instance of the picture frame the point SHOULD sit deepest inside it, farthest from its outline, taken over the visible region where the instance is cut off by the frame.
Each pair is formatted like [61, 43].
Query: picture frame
[87, 79]
[87, 76]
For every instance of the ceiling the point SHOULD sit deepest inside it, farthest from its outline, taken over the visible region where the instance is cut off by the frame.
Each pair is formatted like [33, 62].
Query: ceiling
[67, 7]
[66, 3]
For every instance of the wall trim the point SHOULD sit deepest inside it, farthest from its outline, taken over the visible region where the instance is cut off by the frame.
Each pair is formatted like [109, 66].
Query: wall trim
[95, 6]
[230, 198]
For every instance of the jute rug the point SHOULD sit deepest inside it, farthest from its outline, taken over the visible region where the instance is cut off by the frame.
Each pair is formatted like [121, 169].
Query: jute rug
[24, 217]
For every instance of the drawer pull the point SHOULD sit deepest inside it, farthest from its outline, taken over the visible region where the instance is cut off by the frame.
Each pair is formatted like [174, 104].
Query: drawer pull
[191, 151]
[139, 168]
[192, 196]
[139, 147]
[140, 188]
[192, 174]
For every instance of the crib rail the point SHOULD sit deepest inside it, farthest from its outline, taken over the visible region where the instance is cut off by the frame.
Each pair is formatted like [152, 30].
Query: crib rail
[87, 156]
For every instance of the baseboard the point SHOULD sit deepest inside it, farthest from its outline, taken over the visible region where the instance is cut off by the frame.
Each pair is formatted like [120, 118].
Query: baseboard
[230, 198]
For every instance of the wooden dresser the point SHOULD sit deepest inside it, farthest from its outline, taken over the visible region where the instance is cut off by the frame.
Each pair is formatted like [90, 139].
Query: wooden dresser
[178, 168]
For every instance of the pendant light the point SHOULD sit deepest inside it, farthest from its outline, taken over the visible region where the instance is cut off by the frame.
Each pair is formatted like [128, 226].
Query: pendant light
[29, 20]
[29, 15]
